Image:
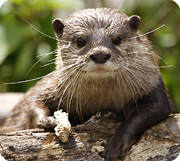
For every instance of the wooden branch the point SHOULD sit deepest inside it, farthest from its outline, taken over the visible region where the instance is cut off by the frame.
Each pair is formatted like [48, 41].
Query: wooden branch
[161, 142]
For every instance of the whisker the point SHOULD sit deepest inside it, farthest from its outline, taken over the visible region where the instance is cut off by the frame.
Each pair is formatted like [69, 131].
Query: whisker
[75, 86]
[148, 63]
[52, 60]
[65, 72]
[39, 30]
[47, 64]
[51, 53]
[63, 96]
[148, 32]
[36, 64]
[25, 81]
[129, 78]
[79, 107]
[147, 53]
[168, 66]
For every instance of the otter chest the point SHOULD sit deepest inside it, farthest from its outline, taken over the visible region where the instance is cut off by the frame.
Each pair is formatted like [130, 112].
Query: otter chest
[92, 98]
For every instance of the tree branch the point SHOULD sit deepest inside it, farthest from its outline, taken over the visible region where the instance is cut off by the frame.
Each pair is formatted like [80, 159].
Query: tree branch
[87, 142]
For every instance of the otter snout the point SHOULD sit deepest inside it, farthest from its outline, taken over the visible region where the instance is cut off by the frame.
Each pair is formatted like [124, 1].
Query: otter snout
[100, 58]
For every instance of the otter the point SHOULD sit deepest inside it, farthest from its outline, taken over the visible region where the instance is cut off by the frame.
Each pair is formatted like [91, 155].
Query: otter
[103, 63]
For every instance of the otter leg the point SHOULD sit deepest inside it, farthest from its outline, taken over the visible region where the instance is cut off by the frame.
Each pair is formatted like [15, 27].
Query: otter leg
[40, 116]
[150, 110]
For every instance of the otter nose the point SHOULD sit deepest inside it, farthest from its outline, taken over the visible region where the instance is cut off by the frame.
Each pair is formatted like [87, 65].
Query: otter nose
[100, 58]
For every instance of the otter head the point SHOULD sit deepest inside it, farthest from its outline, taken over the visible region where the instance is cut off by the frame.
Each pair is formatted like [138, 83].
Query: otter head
[99, 43]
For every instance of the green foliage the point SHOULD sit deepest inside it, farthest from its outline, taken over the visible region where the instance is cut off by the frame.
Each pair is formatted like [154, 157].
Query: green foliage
[21, 45]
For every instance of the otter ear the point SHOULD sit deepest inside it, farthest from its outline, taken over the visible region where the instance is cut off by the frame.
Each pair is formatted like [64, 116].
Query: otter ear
[58, 26]
[134, 22]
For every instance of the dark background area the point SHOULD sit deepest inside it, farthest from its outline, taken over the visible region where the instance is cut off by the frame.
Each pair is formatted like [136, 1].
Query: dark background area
[21, 46]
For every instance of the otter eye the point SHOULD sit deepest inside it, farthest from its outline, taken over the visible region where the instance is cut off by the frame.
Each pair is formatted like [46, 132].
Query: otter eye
[117, 41]
[80, 42]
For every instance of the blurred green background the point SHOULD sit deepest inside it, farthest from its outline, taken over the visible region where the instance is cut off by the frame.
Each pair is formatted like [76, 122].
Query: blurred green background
[21, 46]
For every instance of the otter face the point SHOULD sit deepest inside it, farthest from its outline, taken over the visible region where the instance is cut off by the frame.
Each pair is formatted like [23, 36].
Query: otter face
[102, 52]
[102, 44]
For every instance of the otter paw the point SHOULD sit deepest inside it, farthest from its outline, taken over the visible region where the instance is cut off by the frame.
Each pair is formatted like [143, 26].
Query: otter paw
[115, 149]
[48, 122]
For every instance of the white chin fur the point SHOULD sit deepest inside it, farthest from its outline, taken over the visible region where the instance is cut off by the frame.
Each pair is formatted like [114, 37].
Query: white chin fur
[99, 70]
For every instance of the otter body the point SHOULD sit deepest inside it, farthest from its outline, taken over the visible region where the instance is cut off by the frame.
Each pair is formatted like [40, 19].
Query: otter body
[103, 63]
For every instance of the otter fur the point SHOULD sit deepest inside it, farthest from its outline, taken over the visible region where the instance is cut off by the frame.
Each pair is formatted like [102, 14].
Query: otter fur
[103, 63]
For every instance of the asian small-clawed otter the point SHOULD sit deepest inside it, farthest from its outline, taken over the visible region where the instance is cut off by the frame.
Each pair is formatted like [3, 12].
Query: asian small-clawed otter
[103, 63]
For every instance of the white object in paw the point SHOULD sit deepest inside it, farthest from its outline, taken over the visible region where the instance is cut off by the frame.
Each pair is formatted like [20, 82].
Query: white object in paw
[63, 128]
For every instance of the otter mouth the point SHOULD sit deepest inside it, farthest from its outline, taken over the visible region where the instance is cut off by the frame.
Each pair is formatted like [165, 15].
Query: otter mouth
[100, 70]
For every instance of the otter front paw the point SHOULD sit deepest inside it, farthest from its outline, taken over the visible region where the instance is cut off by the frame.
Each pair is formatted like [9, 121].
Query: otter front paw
[48, 122]
[114, 151]
[117, 147]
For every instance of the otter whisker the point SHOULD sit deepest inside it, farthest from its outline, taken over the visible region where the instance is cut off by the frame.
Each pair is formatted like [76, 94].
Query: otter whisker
[45, 65]
[69, 59]
[136, 77]
[77, 88]
[121, 80]
[68, 73]
[50, 53]
[39, 30]
[148, 32]
[139, 78]
[70, 53]
[25, 81]
[37, 63]
[121, 83]
[78, 100]
[63, 95]
[148, 63]
[71, 91]
[69, 66]
[65, 75]
[52, 60]
[130, 78]
[74, 85]
[142, 51]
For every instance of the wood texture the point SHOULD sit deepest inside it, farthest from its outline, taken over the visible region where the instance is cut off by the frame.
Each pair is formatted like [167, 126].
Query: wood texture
[87, 141]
